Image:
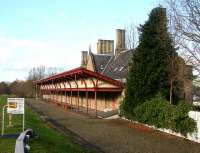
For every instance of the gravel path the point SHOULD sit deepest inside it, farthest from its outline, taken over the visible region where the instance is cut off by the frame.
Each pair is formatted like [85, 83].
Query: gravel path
[111, 136]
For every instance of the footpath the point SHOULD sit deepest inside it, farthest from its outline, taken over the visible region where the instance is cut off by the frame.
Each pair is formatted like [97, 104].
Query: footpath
[110, 136]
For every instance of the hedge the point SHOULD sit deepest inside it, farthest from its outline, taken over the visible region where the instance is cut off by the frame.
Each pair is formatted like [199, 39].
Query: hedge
[160, 113]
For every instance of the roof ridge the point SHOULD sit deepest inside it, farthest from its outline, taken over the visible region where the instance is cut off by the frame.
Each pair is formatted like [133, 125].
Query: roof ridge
[126, 51]
[122, 52]
[78, 71]
[103, 54]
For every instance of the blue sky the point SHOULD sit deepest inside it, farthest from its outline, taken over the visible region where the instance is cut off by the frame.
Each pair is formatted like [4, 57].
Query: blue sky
[53, 32]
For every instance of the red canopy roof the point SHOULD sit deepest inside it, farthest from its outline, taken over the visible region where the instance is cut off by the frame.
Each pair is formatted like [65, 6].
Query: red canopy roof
[79, 73]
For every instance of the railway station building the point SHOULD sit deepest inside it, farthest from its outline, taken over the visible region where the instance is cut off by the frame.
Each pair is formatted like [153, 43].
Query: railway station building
[97, 86]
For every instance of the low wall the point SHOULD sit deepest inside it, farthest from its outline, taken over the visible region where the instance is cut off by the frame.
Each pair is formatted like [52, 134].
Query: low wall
[195, 136]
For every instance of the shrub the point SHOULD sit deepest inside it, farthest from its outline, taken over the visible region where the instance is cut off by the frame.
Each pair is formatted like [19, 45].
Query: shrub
[160, 113]
[123, 111]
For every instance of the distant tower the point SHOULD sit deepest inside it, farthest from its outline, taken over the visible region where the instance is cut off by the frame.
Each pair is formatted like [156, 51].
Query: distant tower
[120, 42]
[105, 46]
[84, 58]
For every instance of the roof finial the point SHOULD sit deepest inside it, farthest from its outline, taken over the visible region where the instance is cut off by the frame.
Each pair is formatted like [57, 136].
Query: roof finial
[90, 48]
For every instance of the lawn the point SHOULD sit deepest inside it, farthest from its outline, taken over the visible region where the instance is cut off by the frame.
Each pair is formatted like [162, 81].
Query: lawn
[48, 140]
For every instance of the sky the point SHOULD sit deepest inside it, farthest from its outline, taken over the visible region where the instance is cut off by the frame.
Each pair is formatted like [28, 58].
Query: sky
[53, 32]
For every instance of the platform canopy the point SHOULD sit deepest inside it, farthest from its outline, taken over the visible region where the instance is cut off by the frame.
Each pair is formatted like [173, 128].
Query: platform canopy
[79, 79]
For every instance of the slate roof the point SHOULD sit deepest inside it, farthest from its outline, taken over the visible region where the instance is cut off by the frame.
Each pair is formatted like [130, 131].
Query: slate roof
[117, 67]
[100, 61]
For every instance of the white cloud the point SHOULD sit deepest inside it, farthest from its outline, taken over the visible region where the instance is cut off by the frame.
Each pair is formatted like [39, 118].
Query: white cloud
[19, 56]
[22, 43]
[9, 47]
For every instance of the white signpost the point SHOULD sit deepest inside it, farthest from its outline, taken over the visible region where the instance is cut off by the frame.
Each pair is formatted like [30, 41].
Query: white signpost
[14, 106]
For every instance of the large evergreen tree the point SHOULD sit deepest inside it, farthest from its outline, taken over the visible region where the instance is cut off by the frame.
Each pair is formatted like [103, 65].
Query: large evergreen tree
[148, 74]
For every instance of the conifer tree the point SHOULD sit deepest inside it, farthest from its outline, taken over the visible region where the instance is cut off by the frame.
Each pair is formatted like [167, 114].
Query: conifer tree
[148, 74]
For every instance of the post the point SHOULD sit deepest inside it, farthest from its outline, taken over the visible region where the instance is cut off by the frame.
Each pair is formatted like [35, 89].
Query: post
[71, 98]
[78, 101]
[10, 120]
[82, 103]
[57, 93]
[36, 94]
[41, 97]
[95, 98]
[2, 130]
[53, 96]
[49, 97]
[65, 97]
[65, 104]
[61, 97]
[39, 92]
[23, 120]
[87, 100]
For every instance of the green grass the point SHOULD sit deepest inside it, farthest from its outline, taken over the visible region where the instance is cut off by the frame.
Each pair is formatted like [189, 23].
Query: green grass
[48, 141]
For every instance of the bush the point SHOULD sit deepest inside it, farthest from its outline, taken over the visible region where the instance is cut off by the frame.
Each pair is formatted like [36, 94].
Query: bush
[123, 111]
[160, 113]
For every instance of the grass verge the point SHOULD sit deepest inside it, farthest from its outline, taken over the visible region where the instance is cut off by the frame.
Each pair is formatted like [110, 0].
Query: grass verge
[48, 141]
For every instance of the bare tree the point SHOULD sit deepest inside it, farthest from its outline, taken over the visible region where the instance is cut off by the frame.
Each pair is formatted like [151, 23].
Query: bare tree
[131, 36]
[41, 72]
[37, 73]
[52, 71]
[184, 24]
[173, 63]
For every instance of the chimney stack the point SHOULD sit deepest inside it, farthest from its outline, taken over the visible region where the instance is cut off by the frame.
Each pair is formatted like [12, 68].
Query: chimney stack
[105, 46]
[120, 42]
[84, 58]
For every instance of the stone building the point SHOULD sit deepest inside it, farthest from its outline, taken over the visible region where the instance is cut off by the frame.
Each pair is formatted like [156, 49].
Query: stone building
[97, 87]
